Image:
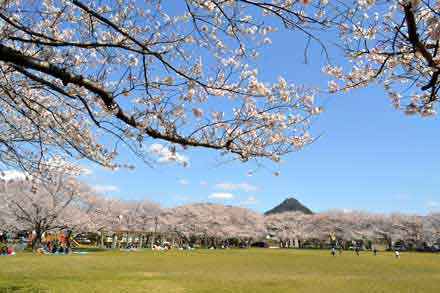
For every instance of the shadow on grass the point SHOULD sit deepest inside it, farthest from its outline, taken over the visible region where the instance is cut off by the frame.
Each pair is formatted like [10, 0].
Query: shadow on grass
[21, 288]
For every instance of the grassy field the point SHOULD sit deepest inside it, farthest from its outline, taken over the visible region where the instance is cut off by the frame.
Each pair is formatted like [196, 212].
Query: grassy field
[255, 270]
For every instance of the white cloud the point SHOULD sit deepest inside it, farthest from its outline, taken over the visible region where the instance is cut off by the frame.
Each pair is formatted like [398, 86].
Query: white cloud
[85, 171]
[12, 175]
[183, 181]
[105, 188]
[432, 204]
[250, 200]
[167, 155]
[109, 169]
[222, 195]
[203, 183]
[246, 187]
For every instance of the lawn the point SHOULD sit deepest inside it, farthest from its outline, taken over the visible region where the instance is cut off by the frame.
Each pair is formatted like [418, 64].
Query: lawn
[254, 270]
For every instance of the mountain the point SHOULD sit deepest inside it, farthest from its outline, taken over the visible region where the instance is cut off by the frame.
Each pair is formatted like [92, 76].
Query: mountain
[289, 205]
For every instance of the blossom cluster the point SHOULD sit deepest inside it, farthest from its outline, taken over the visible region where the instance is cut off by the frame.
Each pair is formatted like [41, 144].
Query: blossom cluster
[77, 72]
[395, 44]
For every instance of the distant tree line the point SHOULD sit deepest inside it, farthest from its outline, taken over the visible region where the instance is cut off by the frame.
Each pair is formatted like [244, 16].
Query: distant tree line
[60, 201]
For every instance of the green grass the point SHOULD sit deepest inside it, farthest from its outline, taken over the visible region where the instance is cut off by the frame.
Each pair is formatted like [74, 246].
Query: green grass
[255, 270]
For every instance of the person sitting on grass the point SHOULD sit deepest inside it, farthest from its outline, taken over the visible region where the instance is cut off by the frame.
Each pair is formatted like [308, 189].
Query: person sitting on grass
[5, 250]
[46, 247]
[55, 246]
[10, 251]
[50, 246]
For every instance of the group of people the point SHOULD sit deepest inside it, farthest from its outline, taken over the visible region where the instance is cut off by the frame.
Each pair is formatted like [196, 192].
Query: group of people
[4, 248]
[164, 246]
[168, 246]
[357, 251]
[57, 245]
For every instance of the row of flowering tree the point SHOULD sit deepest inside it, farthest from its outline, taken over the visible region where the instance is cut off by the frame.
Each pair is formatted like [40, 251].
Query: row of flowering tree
[355, 225]
[60, 201]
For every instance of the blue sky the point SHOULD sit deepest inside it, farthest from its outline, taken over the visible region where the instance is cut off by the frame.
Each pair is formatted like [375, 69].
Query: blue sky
[369, 156]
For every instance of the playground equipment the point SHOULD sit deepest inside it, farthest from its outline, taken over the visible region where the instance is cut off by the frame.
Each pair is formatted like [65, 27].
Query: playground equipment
[75, 243]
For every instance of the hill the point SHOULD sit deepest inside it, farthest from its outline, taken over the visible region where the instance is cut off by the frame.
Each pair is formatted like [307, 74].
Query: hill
[289, 205]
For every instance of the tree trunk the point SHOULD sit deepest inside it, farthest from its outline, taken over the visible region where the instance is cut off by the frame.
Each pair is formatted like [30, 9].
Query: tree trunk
[101, 242]
[36, 242]
[141, 241]
[68, 238]
[147, 240]
[114, 241]
[153, 239]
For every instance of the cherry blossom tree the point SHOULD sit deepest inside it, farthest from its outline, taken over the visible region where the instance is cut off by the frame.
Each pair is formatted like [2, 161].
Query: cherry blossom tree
[287, 226]
[6, 218]
[411, 226]
[431, 228]
[395, 43]
[209, 221]
[36, 205]
[73, 72]
[109, 215]
[353, 225]
[184, 221]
